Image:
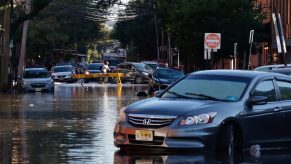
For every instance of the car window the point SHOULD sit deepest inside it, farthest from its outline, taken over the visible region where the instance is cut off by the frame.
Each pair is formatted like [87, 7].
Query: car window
[121, 66]
[127, 66]
[143, 67]
[36, 74]
[285, 89]
[169, 74]
[264, 69]
[222, 88]
[94, 66]
[265, 88]
[63, 69]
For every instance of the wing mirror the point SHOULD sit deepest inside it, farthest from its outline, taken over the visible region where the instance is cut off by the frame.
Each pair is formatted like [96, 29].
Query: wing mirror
[258, 100]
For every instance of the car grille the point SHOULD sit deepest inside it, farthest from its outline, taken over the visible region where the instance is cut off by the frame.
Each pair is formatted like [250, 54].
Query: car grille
[157, 140]
[38, 85]
[153, 121]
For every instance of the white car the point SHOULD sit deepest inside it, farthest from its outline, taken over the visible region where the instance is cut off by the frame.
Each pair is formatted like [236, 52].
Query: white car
[37, 80]
[63, 73]
[267, 68]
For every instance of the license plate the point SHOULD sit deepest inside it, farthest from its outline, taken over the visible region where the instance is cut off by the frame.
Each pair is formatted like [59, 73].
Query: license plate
[37, 89]
[144, 135]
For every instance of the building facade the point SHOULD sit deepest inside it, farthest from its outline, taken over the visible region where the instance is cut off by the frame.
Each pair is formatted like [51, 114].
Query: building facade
[269, 53]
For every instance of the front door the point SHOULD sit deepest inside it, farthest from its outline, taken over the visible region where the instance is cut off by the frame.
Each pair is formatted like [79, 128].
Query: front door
[262, 123]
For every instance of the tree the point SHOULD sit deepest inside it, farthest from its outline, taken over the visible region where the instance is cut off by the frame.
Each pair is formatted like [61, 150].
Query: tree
[138, 34]
[188, 21]
[64, 24]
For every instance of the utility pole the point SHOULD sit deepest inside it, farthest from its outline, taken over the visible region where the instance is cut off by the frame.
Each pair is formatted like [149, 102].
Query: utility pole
[23, 40]
[4, 45]
[169, 50]
[234, 55]
[251, 39]
[157, 34]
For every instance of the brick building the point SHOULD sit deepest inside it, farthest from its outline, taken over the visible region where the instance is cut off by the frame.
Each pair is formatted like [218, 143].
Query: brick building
[269, 49]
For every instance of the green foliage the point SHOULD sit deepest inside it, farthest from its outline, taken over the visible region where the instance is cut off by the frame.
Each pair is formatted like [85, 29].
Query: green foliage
[63, 24]
[137, 35]
[189, 20]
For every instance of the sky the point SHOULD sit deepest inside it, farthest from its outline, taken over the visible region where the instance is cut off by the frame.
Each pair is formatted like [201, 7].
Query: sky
[113, 16]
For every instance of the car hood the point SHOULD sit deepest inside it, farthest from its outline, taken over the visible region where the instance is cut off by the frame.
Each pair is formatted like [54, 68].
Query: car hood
[171, 106]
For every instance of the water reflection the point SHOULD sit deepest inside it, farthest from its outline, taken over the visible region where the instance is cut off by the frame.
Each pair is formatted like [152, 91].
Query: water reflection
[177, 157]
[72, 125]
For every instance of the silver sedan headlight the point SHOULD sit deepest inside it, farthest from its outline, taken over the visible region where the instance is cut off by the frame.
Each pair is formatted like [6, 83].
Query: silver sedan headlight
[203, 118]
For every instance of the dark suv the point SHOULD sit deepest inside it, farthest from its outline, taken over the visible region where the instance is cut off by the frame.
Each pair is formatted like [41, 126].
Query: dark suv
[134, 72]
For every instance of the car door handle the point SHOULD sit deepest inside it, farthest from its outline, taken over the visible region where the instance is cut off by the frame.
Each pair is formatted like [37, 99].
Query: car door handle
[276, 109]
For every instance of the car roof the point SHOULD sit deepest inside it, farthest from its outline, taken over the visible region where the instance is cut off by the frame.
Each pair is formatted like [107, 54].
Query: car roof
[238, 73]
[272, 66]
[95, 63]
[150, 62]
[133, 63]
[63, 66]
[285, 69]
[167, 68]
[35, 69]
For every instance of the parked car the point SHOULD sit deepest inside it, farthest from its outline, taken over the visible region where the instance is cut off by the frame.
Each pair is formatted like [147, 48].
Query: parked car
[163, 76]
[134, 72]
[267, 68]
[221, 110]
[37, 79]
[63, 73]
[152, 64]
[285, 70]
[93, 68]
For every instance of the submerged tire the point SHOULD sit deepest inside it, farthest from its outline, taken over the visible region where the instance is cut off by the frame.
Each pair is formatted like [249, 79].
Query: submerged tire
[229, 145]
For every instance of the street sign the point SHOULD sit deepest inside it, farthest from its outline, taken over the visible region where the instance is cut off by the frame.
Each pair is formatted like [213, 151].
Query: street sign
[212, 41]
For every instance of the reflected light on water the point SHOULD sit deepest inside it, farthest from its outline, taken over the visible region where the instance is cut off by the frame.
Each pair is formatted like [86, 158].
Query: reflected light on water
[72, 125]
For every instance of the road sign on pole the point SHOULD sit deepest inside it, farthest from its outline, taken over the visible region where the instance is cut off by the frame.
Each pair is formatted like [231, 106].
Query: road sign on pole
[212, 41]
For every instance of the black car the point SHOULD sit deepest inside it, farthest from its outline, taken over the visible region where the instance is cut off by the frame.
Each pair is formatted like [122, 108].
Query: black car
[134, 72]
[217, 110]
[163, 76]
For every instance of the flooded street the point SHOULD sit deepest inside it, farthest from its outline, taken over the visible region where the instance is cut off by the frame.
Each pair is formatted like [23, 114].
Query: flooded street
[72, 125]
[75, 125]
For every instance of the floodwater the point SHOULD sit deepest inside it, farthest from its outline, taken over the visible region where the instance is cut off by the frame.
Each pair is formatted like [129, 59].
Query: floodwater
[75, 125]
[72, 125]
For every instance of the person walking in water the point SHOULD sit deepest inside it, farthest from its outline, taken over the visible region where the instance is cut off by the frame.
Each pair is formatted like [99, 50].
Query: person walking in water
[105, 69]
